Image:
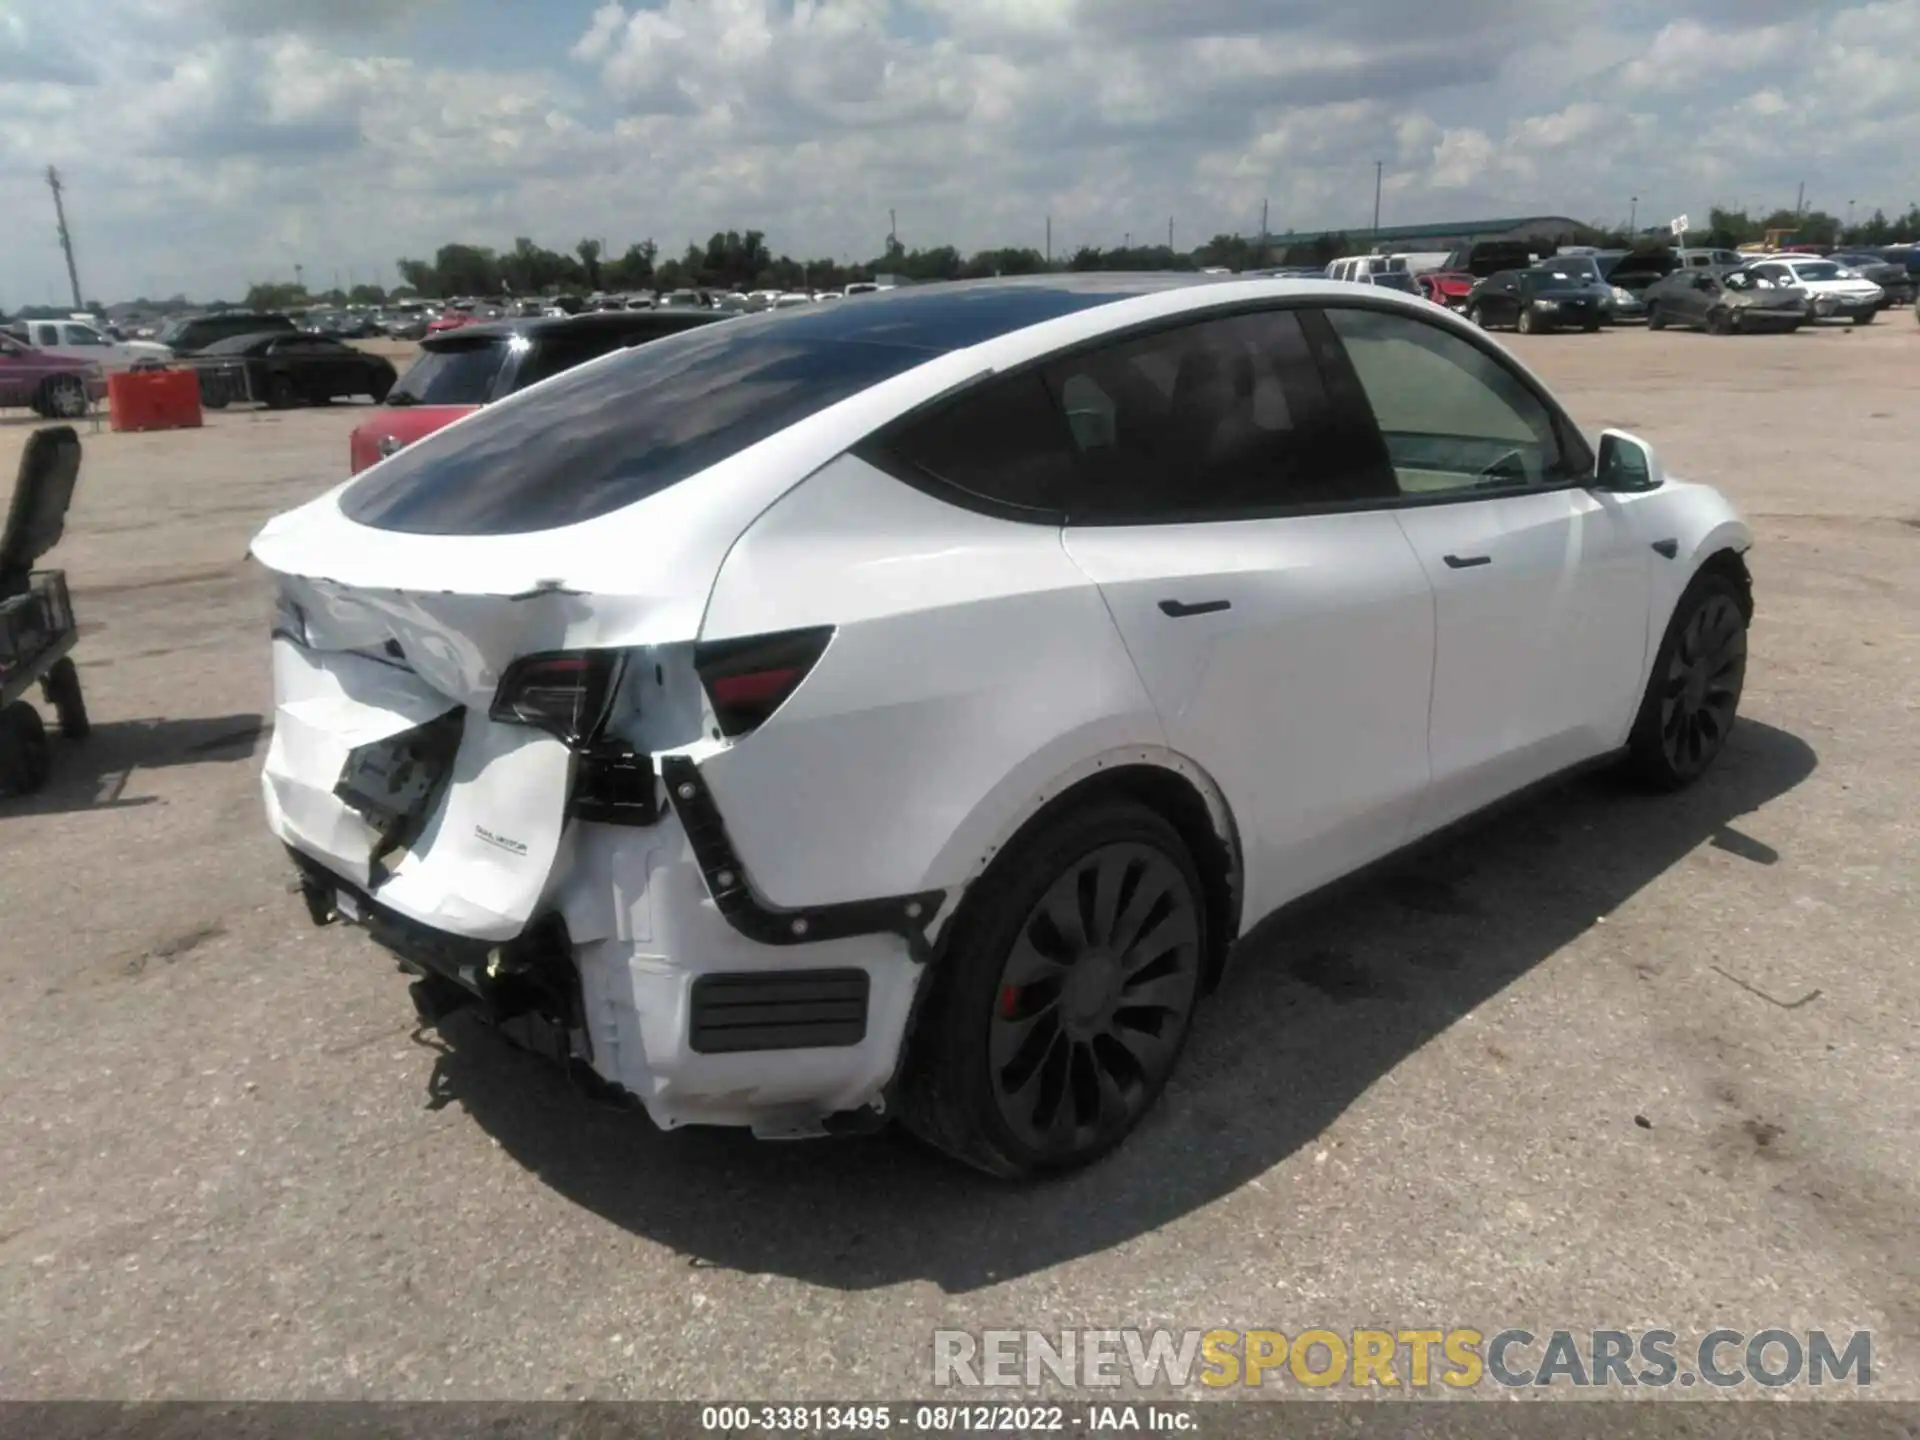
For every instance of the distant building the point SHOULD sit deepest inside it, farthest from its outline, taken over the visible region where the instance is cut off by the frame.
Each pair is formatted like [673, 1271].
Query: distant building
[1532, 229]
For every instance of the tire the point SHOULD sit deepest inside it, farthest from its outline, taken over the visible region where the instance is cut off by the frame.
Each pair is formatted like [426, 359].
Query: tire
[1703, 656]
[1656, 317]
[62, 397]
[282, 394]
[1479, 317]
[1866, 317]
[216, 401]
[25, 759]
[1528, 323]
[1590, 327]
[381, 385]
[1021, 1062]
[61, 687]
[1719, 323]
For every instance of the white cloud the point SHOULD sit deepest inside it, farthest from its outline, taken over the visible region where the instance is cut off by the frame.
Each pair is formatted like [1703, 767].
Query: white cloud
[222, 140]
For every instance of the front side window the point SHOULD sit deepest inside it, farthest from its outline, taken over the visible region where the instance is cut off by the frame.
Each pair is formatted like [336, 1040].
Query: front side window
[1454, 418]
[83, 335]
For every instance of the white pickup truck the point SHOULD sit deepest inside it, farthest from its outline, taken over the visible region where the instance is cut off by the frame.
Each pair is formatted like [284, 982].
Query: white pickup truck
[80, 340]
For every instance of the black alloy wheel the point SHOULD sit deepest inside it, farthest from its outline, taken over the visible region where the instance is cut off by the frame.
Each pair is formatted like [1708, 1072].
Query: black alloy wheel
[1094, 1000]
[1694, 692]
[1064, 997]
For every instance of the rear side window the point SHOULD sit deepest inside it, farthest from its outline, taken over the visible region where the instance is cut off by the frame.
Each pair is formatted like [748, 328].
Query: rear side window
[458, 375]
[604, 437]
[1002, 441]
[1205, 421]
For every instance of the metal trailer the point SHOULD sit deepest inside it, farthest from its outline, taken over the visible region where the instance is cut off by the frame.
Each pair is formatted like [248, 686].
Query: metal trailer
[37, 630]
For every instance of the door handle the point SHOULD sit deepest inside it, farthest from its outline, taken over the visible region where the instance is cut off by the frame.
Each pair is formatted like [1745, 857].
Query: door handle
[1180, 609]
[1467, 562]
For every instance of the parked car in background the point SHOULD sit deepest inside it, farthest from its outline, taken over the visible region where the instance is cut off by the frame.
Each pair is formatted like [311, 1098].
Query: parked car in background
[448, 320]
[286, 370]
[86, 344]
[1358, 267]
[1629, 273]
[1834, 291]
[1711, 259]
[1392, 280]
[1583, 271]
[898, 709]
[1446, 287]
[1535, 300]
[1723, 303]
[1490, 257]
[458, 371]
[1891, 277]
[56, 386]
[193, 334]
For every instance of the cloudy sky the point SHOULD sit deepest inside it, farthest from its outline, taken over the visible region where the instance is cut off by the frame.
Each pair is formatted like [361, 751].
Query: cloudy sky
[209, 143]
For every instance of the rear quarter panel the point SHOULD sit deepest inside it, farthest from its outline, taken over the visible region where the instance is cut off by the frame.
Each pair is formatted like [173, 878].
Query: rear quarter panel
[972, 667]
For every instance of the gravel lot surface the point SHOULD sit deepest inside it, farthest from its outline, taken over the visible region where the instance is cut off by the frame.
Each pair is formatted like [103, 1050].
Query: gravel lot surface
[1605, 1061]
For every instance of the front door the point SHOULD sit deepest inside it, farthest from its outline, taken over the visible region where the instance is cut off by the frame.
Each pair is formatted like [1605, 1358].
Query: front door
[1287, 644]
[1541, 586]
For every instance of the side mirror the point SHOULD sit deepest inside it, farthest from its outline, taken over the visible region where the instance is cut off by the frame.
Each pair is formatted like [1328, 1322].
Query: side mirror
[1626, 464]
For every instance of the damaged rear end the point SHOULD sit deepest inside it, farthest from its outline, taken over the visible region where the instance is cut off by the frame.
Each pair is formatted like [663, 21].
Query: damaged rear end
[492, 710]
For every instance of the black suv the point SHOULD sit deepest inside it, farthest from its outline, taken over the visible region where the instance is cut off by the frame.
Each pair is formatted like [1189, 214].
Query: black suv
[196, 332]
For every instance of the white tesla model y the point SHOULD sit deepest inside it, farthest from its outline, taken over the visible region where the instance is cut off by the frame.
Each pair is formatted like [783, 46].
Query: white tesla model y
[898, 709]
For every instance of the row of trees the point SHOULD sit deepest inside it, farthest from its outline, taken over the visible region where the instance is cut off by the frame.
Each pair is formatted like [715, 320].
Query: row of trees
[742, 260]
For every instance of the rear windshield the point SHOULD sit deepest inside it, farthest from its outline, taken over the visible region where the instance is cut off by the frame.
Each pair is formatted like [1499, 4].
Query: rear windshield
[601, 438]
[456, 375]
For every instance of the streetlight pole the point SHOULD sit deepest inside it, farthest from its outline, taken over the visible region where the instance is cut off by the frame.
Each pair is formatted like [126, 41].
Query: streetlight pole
[1633, 215]
[1379, 168]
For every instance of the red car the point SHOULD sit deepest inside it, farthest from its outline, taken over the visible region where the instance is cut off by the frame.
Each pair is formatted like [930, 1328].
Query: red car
[51, 385]
[1446, 287]
[463, 368]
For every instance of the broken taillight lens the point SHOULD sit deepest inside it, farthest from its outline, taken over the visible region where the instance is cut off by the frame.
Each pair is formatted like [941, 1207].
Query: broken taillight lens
[565, 693]
[748, 679]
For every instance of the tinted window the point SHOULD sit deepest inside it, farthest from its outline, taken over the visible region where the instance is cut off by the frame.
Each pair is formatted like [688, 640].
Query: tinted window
[1453, 417]
[457, 375]
[1002, 441]
[1211, 419]
[603, 437]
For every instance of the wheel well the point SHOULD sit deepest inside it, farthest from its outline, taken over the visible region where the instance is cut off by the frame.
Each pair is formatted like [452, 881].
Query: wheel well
[1731, 564]
[1178, 801]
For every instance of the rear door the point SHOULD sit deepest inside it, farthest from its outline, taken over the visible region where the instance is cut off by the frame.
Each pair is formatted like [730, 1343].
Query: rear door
[1541, 585]
[1285, 635]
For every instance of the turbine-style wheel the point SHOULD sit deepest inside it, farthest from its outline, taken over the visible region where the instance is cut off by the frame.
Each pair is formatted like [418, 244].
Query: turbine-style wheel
[1065, 995]
[1694, 692]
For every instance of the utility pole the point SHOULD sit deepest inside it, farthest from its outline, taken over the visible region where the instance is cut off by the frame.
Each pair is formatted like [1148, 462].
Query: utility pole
[66, 240]
[299, 277]
[1049, 242]
[1169, 232]
[893, 231]
[1850, 217]
[1379, 168]
[1262, 257]
[1633, 216]
[1800, 202]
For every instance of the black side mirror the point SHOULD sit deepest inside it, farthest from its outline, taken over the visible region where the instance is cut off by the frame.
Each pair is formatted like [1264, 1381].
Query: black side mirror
[1626, 464]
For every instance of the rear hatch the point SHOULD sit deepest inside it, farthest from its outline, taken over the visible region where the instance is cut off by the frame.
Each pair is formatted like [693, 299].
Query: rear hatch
[487, 637]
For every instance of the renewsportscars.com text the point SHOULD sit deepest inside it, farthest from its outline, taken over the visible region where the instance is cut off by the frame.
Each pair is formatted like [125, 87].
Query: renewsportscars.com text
[1412, 1359]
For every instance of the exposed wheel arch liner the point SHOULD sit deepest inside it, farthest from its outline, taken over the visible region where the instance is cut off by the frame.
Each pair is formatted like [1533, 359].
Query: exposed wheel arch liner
[1179, 789]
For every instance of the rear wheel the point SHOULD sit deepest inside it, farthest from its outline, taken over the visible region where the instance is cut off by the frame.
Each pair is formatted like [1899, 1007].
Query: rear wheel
[381, 385]
[1656, 317]
[282, 394]
[1865, 317]
[61, 687]
[25, 759]
[1064, 997]
[1694, 691]
[63, 397]
[1719, 323]
[1479, 316]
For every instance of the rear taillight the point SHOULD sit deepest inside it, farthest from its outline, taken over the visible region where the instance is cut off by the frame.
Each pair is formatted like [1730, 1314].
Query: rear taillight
[565, 693]
[747, 680]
